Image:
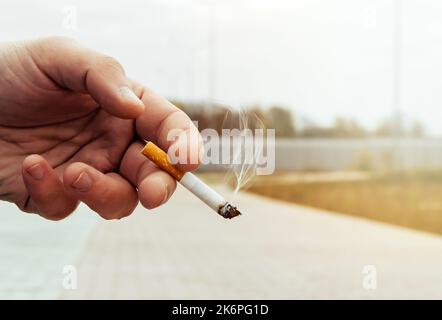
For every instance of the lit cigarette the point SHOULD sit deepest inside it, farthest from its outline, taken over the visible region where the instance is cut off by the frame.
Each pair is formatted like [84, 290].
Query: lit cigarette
[191, 182]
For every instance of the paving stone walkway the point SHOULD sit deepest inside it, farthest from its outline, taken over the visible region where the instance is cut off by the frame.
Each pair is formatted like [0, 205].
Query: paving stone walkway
[184, 251]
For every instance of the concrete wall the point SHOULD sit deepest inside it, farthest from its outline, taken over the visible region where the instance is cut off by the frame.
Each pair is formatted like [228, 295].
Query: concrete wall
[340, 154]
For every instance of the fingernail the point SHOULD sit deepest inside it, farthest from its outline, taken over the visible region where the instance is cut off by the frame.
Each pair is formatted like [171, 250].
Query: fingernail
[83, 183]
[128, 94]
[36, 171]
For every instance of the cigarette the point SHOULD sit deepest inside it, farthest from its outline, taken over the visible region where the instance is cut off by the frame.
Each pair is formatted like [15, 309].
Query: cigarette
[191, 182]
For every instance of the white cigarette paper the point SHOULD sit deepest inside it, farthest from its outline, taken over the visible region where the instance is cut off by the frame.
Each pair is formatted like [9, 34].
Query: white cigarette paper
[209, 196]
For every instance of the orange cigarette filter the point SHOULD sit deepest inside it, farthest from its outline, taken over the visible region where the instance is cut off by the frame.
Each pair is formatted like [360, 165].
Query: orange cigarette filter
[159, 157]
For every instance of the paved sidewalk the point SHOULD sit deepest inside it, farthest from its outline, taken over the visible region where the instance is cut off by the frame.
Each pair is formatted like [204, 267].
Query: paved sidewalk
[183, 250]
[34, 251]
[275, 250]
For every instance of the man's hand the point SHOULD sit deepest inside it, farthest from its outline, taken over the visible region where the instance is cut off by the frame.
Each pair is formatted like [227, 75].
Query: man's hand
[67, 132]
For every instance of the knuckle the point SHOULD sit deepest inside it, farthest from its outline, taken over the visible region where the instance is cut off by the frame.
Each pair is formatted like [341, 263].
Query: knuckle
[25, 208]
[108, 62]
[25, 204]
[58, 41]
[139, 89]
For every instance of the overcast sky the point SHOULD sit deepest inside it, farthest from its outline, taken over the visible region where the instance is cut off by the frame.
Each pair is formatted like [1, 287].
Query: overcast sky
[319, 58]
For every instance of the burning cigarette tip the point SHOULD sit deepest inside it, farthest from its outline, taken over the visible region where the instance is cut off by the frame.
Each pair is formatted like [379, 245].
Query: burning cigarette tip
[228, 211]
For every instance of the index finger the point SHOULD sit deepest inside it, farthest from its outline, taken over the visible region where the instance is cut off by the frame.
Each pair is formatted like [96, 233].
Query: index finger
[170, 128]
[83, 70]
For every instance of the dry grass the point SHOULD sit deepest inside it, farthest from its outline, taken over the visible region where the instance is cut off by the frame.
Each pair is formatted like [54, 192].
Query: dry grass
[412, 200]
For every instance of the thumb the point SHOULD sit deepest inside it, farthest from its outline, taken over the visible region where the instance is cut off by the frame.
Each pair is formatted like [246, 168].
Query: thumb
[85, 71]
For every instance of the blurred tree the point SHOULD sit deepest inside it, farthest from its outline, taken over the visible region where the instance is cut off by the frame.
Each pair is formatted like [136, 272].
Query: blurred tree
[389, 127]
[417, 130]
[395, 126]
[347, 128]
[220, 117]
[314, 131]
[282, 121]
[259, 119]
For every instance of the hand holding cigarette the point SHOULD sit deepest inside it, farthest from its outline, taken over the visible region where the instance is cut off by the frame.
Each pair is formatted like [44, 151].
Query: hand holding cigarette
[72, 127]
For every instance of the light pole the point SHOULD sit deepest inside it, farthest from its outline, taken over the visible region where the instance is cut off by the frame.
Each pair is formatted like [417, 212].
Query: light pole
[397, 78]
[397, 65]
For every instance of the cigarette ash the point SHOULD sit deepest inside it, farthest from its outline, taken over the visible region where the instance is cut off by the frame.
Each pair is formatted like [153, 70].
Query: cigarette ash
[228, 211]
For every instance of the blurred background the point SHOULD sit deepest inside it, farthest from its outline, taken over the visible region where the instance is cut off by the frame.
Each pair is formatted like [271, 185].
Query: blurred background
[352, 89]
